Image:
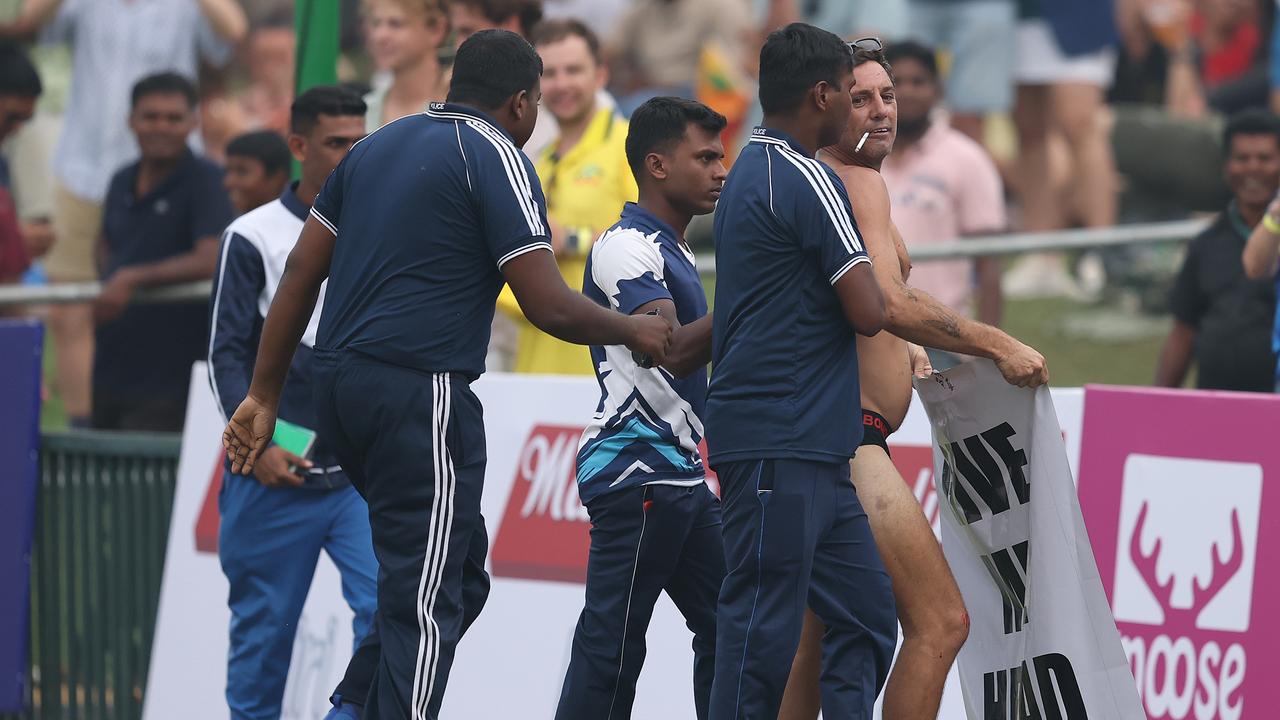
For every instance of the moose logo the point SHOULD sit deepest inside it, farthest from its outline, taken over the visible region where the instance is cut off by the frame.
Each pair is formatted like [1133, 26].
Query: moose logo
[1188, 543]
[1185, 561]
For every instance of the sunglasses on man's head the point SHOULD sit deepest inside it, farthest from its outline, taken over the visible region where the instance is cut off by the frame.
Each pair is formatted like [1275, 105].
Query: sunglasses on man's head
[869, 44]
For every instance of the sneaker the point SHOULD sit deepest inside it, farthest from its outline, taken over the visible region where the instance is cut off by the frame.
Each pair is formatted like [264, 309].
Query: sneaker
[1041, 275]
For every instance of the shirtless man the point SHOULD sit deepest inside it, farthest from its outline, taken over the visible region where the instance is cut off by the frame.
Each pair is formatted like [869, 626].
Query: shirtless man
[930, 609]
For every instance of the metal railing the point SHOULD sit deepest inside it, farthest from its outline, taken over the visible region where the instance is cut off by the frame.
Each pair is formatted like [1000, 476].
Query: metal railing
[981, 246]
[102, 526]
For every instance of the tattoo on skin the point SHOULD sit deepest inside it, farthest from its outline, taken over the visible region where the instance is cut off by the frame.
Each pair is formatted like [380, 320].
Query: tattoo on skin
[946, 323]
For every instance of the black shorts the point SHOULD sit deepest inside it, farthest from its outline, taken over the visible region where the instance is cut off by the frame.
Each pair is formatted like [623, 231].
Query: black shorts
[876, 430]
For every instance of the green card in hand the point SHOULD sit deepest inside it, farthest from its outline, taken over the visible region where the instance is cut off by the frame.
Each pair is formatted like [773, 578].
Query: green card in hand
[294, 438]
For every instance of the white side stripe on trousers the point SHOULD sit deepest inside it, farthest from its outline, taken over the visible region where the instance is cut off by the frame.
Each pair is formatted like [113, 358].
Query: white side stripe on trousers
[626, 618]
[439, 525]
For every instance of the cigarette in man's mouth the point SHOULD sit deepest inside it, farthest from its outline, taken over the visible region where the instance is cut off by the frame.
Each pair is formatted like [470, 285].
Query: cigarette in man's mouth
[865, 135]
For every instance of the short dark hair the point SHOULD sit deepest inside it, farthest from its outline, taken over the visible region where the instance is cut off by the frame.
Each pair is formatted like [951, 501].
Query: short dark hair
[529, 12]
[1250, 122]
[18, 75]
[794, 59]
[912, 50]
[553, 31]
[491, 66]
[165, 83]
[662, 122]
[330, 100]
[265, 146]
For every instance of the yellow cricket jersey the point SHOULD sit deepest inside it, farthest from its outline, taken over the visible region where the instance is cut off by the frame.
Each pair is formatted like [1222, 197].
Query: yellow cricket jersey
[585, 191]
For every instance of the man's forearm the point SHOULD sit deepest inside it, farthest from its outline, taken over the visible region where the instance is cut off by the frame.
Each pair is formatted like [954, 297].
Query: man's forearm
[199, 264]
[34, 15]
[918, 317]
[690, 347]
[573, 318]
[226, 19]
[1262, 249]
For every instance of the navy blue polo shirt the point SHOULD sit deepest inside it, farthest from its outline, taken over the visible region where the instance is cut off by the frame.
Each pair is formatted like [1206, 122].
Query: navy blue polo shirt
[152, 346]
[784, 380]
[426, 212]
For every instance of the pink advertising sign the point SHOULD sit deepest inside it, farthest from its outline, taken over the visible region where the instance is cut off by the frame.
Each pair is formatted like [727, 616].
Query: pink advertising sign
[1181, 496]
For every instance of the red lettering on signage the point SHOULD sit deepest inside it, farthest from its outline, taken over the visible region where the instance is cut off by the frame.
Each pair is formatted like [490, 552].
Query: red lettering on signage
[915, 465]
[208, 520]
[544, 530]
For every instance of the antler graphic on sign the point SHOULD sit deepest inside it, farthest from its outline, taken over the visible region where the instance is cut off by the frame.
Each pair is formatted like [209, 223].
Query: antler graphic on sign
[1201, 595]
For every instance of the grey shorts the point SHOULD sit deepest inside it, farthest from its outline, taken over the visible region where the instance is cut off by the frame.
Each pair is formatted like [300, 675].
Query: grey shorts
[977, 39]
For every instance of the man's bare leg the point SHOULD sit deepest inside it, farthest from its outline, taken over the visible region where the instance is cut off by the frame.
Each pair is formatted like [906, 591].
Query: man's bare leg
[72, 327]
[930, 609]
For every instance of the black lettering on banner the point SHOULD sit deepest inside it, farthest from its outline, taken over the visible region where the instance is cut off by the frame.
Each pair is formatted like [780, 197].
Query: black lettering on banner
[1055, 669]
[988, 481]
[1010, 694]
[983, 473]
[1009, 571]
[1014, 460]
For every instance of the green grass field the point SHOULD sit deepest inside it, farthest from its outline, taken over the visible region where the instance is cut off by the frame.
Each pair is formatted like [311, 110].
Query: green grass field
[1083, 344]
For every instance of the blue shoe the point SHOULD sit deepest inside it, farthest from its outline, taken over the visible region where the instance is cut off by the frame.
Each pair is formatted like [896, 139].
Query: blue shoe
[344, 711]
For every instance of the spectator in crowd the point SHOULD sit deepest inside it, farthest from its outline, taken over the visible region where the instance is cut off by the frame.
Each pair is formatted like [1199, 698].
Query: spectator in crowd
[657, 46]
[584, 175]
[1065, 61]
[114, 43]
[268, 60]
[404, 38]
[161, 222]
[1183, 67]
[1217, 60]
[943, 186]
[599, 15]
[258, 167]
[1260, 263]
[275, 523]
[19, 89]
[1222, 319]
[847, 18]
[978, 38]
[468, 17]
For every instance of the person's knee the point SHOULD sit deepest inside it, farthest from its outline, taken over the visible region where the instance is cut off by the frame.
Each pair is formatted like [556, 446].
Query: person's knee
[1078, 118]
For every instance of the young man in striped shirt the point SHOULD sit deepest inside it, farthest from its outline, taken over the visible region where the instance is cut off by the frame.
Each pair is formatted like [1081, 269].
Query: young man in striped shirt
[655, 525]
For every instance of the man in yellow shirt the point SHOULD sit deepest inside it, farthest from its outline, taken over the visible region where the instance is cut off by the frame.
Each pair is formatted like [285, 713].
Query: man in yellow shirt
[584, 176]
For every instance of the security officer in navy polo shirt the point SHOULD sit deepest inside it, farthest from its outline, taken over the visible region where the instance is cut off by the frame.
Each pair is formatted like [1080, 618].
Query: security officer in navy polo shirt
[416, 230]
[794, 286]
[161, 223]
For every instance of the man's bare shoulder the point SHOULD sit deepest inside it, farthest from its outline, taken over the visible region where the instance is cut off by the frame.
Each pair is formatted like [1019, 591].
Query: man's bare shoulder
[865, 182]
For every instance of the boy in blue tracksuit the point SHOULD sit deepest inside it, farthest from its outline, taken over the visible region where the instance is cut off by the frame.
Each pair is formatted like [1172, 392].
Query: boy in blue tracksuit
[276, 522]
[655, 523]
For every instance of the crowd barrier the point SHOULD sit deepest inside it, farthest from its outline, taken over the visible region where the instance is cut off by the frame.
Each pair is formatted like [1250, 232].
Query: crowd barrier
[1172, 486]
